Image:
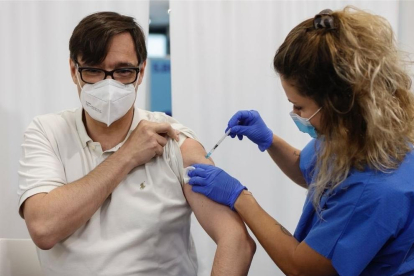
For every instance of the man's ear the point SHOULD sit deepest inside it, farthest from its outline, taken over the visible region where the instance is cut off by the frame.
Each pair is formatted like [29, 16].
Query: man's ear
[72, 66]
[142, 72]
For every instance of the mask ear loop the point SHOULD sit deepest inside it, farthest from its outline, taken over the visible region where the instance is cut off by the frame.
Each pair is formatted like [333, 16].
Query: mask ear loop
[139, 72]
[135, 86]
[314, 114]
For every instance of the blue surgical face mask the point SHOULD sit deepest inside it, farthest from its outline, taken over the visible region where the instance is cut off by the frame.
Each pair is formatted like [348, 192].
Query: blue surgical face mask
[304, 125]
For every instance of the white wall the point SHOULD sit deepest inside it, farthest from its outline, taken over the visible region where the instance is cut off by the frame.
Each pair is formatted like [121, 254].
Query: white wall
[35, 78]
[221, 60]
[405, 32]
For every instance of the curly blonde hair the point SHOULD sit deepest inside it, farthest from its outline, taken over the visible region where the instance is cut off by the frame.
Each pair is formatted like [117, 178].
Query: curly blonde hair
[355, 72]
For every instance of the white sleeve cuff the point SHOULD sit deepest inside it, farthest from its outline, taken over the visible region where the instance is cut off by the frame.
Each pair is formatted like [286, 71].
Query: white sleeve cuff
[37, 190]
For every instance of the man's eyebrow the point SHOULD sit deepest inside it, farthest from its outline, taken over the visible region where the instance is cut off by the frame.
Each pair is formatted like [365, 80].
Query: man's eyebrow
[117, 65]
[291, 101]
[125, 64]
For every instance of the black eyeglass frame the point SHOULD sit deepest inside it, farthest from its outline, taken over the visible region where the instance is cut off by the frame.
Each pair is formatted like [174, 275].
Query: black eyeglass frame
[108, 73]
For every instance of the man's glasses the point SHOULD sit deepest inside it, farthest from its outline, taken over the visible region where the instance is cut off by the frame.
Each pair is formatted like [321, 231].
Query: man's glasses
[93, 75]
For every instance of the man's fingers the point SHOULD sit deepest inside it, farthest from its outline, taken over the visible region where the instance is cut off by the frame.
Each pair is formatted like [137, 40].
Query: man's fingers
[159, 150]
[167, 129]
[161, 140]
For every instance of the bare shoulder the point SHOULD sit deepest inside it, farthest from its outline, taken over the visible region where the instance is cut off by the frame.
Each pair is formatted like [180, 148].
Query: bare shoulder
[193, 152]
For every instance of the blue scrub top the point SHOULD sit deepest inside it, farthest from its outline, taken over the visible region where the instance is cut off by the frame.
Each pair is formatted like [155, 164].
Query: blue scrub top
[368, 220]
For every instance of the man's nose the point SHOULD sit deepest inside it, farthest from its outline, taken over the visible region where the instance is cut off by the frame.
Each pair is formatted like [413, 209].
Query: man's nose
[109, 75]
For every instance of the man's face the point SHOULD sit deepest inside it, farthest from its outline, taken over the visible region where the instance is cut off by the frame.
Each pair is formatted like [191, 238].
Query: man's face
[121, 53]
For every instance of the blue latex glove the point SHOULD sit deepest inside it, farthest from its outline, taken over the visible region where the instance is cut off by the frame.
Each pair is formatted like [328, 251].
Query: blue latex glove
[250, 124]
[215, 184]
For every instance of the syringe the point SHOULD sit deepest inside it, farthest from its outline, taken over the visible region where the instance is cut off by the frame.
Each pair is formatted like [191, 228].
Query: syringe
[218, 143]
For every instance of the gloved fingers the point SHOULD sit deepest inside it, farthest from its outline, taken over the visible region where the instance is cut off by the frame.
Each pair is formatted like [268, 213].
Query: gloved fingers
[223, 173]
[238, 118]
[199, 189]
[232, 135]
[197, 172]
[237, 130]
[197, 181]
[254, 113]
[240, 130]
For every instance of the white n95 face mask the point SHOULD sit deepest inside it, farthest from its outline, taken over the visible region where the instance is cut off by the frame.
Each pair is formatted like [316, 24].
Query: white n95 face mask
[108, 100]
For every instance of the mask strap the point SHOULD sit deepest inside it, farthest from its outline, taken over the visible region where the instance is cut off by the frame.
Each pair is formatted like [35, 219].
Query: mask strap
[136, 83]
[135, 86]
[314, 114]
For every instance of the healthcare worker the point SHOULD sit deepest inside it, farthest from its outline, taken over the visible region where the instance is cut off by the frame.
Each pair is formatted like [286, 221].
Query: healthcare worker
[343, 75]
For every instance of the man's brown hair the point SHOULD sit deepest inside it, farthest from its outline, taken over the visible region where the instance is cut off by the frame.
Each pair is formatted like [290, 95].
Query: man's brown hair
[91, 37]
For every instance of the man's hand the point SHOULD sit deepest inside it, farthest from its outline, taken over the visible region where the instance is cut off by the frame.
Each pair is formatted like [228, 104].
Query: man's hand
[147, 141]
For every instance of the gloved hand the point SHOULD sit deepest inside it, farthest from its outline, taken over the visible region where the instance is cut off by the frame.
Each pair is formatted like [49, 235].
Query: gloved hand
[250, 124]
[215, 184]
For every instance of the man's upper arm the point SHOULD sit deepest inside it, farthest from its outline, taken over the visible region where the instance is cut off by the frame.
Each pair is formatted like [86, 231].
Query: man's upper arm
[40, 169]
[216, 219]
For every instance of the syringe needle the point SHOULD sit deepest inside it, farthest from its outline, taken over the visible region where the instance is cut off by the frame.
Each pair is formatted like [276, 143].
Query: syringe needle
[218, 143]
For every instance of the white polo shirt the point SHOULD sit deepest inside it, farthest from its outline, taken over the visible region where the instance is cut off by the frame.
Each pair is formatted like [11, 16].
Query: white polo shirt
[143, 227]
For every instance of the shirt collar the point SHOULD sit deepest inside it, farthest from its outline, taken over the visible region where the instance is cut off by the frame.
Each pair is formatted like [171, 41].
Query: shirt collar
[135, 121]
[83, 134]
[80, 127]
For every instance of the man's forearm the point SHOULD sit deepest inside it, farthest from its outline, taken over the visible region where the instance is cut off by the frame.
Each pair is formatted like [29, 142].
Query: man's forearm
[233, 256]
[287, 158]
[54, 216]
